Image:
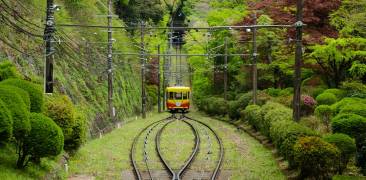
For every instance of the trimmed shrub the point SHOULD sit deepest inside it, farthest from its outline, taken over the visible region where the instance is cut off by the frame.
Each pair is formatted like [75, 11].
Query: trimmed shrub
[23, 94]
[269, 106]
[345, 144]
[325, 113]
[326, 99]
[245, 99]
[62, 111]
[273, 116]
[262, 98]
[44, 140]
[359, 109]
[6, 123]
[8, 70]
[273, 92]
[315, 157]
[18, 110]
[337, 107]
[351, 124]
[313, 123]
[233, 109]
[315, 93]
[34, 91]
[284, 135]
[78, 133]
[337, 92]
[252, 114]
[217, 106]
[354, 89]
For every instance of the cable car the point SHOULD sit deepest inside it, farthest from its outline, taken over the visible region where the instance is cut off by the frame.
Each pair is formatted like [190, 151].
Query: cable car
[177, 98]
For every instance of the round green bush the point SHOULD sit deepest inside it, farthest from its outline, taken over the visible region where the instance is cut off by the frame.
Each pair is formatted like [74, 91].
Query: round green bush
[252, 114]
[326, 99]
[274, 115]
[8, 70]
[325, 113]
[317, 91]
[315, 157]
[18, 110]
[23, 94]
[34, 91]
[273, 92]
[234, 106]
[216, 106]
[354, 89]
[345, 144]
[337, 107]
[6, 123]
[351, 124]
[284, 135]
[358, 108]
[61, 110]
[44, 140]
[78, 133]
[337, 92]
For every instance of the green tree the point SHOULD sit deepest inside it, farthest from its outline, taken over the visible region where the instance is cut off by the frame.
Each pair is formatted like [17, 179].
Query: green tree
[336, 57]
[350, 18]
[140, 10]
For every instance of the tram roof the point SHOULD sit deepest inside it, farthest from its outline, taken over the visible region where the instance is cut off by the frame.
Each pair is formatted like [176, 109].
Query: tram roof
[178, 88]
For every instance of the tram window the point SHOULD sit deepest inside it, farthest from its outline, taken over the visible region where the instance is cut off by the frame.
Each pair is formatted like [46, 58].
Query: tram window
[178, 95]
[185, 95]
[171, 95]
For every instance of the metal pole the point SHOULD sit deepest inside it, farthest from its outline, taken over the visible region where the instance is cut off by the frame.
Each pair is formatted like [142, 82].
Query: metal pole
[164, 81]
[143, 91]
[225, 70]
[255, 78]
[159, 88]
[298, 58]
[48, 38]
[109, 58]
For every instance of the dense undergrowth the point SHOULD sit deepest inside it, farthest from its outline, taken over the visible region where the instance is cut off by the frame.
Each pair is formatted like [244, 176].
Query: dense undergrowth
[330, 138]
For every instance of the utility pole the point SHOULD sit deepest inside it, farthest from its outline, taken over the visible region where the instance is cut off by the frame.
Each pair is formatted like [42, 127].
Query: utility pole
[298, 60]
[109, 60]
[159, 88]
[255, 55]
[164, 81]
[50, 50]
[143, 64]
[225, 70]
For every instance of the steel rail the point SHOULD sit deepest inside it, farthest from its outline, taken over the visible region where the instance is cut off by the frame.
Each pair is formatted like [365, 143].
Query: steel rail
[221, 156]
[133, 148]
[193, 154]
[157, 142]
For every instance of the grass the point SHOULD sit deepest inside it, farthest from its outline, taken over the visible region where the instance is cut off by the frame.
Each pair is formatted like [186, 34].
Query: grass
[107, 157]
[9, 171]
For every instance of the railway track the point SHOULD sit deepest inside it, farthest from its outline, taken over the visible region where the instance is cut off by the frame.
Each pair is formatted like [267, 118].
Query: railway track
[174, 174]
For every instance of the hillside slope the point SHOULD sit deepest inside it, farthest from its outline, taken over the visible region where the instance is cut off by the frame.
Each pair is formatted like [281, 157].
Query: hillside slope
[80, 60]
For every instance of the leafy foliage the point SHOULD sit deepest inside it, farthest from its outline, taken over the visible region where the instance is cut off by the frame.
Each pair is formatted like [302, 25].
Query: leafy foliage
[6, 123]
[135, 10]
[346, 146]
[351, 124]
[63, 112]
[336, 57]
[34, 91]
[326, 99]
[44, 140]
[315, 157]
[252, 114]
[8, 70]
[350, 18]
[325, 113]
[18, 110]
